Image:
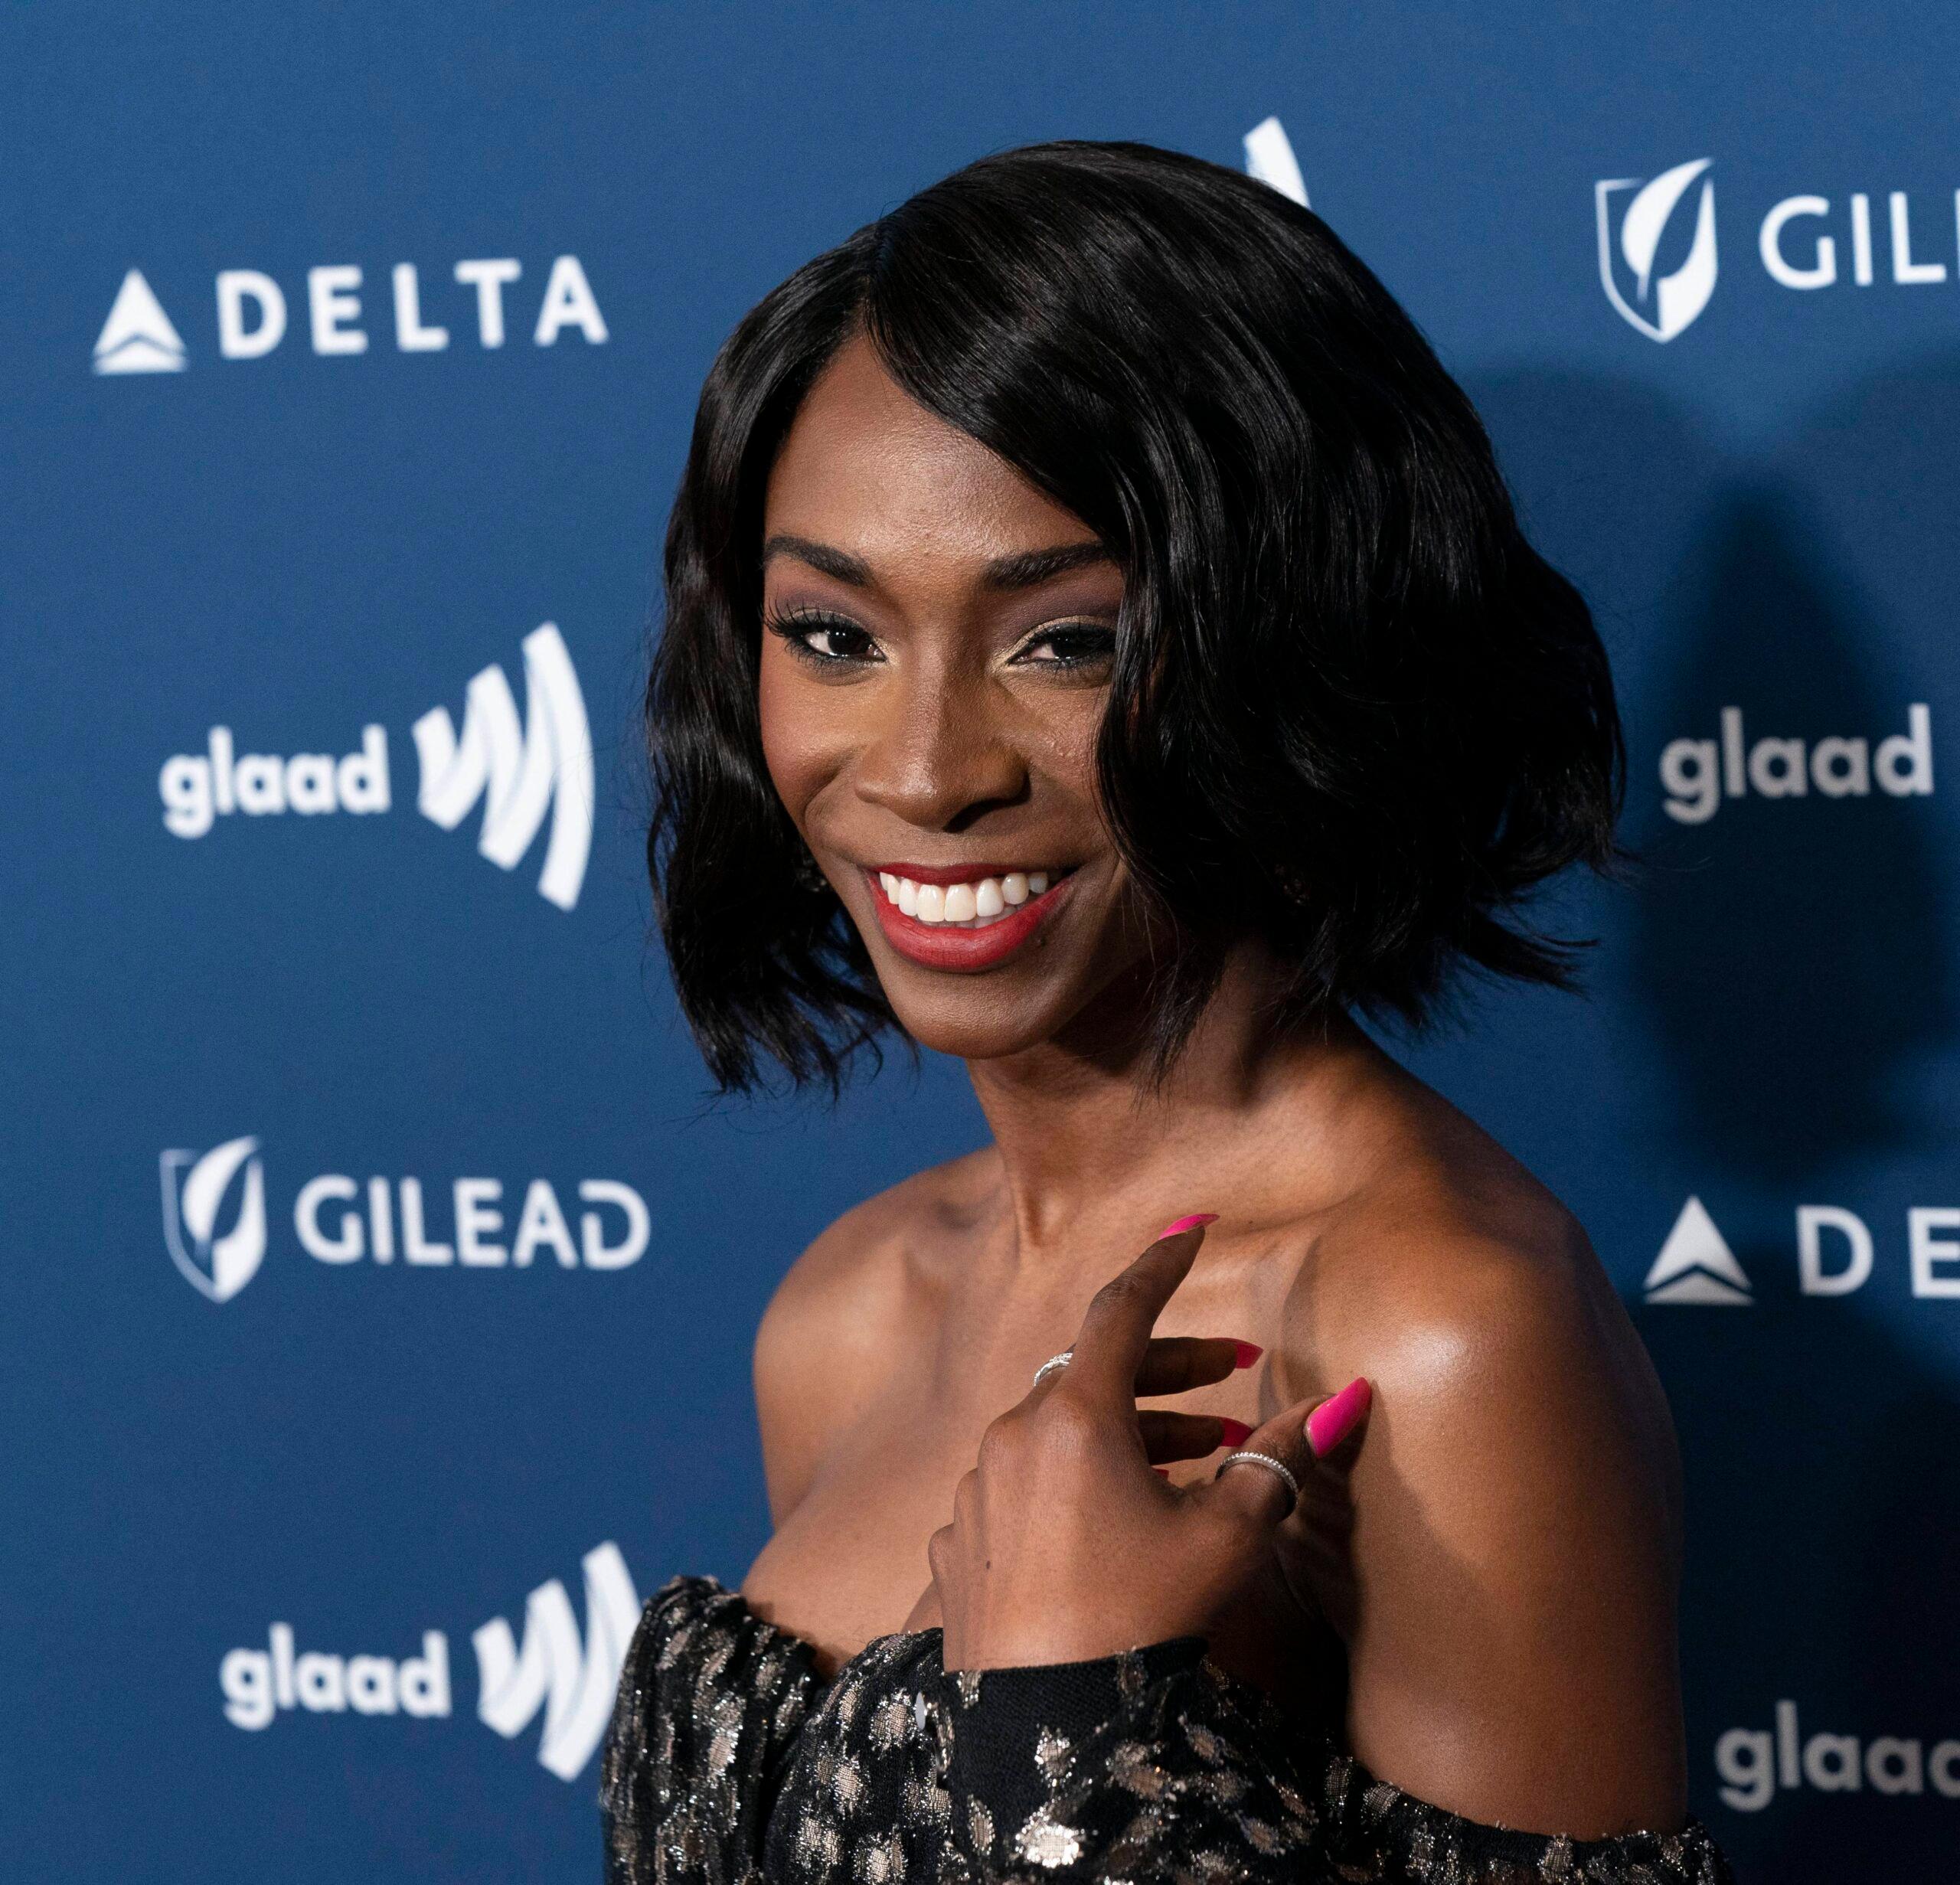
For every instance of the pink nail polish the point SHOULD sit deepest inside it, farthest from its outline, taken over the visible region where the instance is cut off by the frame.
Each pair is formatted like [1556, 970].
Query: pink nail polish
[1332, 1421]
[1232, 1432]
[1187, 1223]
[1244, 1354]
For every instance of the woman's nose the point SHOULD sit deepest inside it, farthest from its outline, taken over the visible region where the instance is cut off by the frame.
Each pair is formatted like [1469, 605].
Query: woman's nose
[940, 757]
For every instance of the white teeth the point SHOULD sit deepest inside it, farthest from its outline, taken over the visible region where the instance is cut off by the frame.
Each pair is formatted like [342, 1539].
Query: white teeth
[975, 905]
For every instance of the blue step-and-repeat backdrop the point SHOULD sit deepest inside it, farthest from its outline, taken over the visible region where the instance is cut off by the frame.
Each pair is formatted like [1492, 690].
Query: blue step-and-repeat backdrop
[379, 1282]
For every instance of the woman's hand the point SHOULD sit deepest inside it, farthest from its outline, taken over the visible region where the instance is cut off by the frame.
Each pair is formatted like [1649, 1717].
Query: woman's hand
[1065, 1545]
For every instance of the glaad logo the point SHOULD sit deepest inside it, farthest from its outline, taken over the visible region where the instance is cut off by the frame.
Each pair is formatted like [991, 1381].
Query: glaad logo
[1697, 775]
[1836, 1256]
[1631, 229]
[572, 1682]
[1269, 157]
[193, 1189]
[138, 337]
[340, 1221]
[518, 773]
[1753, 1763]
[575, 1686]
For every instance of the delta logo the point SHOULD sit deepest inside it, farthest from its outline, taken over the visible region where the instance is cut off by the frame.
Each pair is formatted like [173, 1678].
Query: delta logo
[1659, 253]
[571, 1678]
[1836, 1255]
[252, 313]
[518, 770]
[217, 1232]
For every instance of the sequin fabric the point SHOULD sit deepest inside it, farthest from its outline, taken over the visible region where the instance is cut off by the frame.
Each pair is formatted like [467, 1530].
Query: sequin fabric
[730, 1759]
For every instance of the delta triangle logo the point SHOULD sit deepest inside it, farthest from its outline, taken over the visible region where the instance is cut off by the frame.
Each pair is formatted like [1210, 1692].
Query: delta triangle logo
[1696, 1264]
[137, 338]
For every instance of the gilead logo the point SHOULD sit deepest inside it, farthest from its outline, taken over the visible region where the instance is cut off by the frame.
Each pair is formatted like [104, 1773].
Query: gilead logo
[518, 771]
[253, 312]
[1698, 775]
[1754, 1764]
[218, 1244]
[1805, 242]
[193, 1192]
[573, 1680]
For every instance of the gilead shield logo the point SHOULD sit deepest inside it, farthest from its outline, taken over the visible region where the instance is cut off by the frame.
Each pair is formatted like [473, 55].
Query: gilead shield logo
[516, 771]
[1657, 249]
[1633, 217]
[216, 1266]
[573, 1679]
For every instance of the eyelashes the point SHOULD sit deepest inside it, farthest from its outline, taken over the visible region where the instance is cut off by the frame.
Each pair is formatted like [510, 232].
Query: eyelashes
[800, 628]
[826, 640]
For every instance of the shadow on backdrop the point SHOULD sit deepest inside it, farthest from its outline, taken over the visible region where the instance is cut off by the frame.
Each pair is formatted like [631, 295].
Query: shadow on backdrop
[1785, 969]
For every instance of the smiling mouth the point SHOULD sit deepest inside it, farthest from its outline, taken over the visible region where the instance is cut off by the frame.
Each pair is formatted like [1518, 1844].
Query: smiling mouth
[976, 901]
[966, 918]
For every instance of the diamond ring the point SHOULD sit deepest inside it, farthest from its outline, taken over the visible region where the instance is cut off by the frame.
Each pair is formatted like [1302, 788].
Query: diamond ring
[1053, 1364]
[1272, 1465]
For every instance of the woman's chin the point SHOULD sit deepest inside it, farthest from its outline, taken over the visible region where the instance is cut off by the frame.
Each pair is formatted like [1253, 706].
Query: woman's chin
[991, 1029]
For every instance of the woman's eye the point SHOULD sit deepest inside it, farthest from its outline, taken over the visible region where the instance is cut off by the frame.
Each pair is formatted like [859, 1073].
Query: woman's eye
[827, 640]
[1076, 645]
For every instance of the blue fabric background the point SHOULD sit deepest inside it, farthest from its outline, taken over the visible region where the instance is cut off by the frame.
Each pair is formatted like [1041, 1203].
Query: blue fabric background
[296, 546]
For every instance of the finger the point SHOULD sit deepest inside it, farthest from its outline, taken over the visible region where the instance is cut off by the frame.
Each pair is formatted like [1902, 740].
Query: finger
[1174, 1364]
[1115, 1331]
[1168, 1435]
[1323, 1425]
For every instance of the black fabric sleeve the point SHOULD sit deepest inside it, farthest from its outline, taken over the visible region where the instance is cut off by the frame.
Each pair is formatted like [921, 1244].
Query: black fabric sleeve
[710, 1705]
[1154, 1769]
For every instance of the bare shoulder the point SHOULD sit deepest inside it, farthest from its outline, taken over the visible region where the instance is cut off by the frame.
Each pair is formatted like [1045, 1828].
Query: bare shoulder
[1466, 1290]
[1515, 1499]
[844, 1309]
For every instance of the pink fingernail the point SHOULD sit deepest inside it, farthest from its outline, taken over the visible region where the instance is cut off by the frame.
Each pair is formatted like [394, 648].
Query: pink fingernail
[1162, 1472]
[1332, 1421]
[1232, 1432]
[1187, 1223]
[1244, 1354]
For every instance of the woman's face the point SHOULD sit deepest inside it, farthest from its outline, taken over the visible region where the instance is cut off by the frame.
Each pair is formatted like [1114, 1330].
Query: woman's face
[933, 674]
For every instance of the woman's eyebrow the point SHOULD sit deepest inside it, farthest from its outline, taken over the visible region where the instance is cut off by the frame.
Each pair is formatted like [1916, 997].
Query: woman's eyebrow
[1023, 571]
[1033, 566]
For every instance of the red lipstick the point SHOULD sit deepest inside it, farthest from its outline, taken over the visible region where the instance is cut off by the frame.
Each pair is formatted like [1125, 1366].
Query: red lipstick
[948, 946]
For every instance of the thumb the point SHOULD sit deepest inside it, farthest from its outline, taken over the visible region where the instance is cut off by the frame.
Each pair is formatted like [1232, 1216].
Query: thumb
[1308, 1431]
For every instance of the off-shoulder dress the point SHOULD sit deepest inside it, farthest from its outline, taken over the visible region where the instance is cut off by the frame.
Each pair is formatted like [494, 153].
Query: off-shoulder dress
[730, 1759]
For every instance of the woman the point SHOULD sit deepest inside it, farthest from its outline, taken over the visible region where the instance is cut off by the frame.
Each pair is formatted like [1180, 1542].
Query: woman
[1100, 645]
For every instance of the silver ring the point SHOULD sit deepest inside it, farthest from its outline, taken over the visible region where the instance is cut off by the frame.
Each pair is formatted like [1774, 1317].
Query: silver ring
[1270, 1464]
[1054, 1363]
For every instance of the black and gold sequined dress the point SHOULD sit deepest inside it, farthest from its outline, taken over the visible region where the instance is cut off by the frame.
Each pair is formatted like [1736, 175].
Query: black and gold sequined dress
[730, 1759]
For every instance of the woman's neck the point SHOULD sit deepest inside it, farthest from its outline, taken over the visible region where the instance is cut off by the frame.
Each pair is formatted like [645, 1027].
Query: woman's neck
[1082, 1139]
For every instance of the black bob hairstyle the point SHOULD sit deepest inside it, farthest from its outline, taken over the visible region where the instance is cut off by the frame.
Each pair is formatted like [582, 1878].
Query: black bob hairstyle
[1352, 711]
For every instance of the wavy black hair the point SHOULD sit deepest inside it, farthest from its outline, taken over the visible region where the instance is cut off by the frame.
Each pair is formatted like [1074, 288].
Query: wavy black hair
[1351, 711]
